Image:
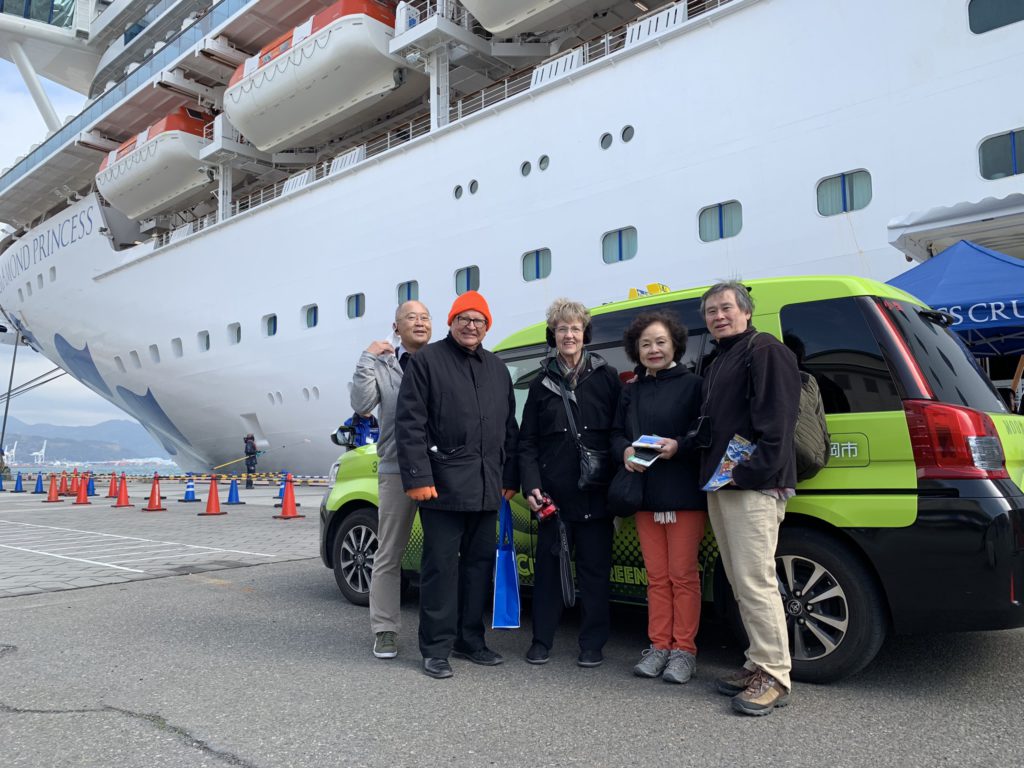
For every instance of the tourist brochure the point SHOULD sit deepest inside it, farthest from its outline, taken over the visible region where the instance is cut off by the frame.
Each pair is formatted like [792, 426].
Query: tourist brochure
[647, 450]
[739, 449]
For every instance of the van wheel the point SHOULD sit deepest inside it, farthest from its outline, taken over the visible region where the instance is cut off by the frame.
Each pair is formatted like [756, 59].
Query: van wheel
[835, 613]
[355, 547]
[835, 617]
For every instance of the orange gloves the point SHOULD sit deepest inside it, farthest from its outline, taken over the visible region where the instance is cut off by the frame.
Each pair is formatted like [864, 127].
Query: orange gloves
[426, 493]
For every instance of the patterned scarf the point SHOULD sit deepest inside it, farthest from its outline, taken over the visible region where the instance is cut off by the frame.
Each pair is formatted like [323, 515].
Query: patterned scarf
[571, 374]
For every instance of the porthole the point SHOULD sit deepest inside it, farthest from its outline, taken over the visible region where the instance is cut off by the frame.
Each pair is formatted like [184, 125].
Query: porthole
[235, 333]
[53, 274]
[134, 357]
[176, 348]
[279, 398]
[154, 353]
[270, 397]
[458, 192]
[316, 393]
[305, 394]
[473, 187]
[544, 162]
[628, 133]
[525, 169]
[39, 280]
[606, 141]
[120, 364]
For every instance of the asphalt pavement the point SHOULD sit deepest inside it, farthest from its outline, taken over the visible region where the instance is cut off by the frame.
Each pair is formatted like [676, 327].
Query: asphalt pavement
[267, 665]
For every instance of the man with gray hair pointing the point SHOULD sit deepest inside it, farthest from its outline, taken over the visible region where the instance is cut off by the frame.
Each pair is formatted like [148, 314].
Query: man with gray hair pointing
[376, 382]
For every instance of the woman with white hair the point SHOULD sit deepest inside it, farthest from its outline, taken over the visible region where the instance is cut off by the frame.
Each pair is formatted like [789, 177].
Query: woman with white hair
[569, 409]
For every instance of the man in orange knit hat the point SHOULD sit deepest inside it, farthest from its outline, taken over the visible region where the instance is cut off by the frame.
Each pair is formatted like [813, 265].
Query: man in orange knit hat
[456, 433]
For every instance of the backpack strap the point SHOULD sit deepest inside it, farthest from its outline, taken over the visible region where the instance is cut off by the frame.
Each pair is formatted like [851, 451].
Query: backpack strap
[749, 352]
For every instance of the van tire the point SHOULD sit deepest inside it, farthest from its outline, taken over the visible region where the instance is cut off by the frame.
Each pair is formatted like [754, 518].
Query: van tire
[858, 593]
[354, 549]
[859, 602]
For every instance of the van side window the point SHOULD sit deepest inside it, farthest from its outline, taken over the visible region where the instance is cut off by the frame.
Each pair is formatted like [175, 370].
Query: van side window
[833, 341]
[607, 331]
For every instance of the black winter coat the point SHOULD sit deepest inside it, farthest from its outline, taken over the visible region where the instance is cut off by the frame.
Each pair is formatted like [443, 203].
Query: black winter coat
[455, 427]
[759, 403]
[668, 405]
[548, 456]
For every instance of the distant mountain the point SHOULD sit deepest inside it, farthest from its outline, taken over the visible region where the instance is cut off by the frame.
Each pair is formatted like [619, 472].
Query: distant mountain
[106, 441]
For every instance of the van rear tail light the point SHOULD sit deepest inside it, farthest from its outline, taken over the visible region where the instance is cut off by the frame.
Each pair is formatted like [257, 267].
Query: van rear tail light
[951, 442]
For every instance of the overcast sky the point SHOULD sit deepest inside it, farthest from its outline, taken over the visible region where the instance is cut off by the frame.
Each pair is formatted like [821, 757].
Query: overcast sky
[64, 401]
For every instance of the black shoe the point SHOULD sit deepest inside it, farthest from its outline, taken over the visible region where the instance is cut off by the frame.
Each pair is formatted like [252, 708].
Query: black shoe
[484, 656]
[538, 654]
[590, 658]
[438, 669]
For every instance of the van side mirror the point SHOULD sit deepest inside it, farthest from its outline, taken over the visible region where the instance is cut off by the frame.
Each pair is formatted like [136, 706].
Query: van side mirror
[344, 437]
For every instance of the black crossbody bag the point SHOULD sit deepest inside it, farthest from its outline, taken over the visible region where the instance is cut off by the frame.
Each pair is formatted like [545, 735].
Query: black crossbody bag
[595, 465]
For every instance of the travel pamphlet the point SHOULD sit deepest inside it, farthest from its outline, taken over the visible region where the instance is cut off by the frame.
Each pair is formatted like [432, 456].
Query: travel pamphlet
[647, 450]
[739, 449]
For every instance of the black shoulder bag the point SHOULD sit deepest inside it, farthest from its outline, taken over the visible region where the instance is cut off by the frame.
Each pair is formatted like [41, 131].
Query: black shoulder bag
[626, 491]
[595, 465]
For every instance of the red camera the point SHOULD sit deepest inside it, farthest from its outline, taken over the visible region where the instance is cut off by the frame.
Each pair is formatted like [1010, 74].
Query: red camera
[547, 508]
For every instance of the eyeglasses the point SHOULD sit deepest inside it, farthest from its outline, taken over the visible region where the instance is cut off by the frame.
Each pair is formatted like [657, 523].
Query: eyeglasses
[413, 318]
[466, 322]
[565, 330]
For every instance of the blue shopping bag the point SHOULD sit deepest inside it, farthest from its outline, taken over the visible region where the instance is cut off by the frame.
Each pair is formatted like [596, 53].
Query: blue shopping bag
[506, 576]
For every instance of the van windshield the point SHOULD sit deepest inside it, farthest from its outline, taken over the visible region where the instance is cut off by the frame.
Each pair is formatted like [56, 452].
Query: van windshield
[952, 372]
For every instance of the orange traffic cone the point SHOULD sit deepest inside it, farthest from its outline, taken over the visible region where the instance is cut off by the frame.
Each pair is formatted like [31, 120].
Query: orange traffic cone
[212, 501]
[82, 494]
[154, 497]
[73, 490]
[122, 494]
[54, 494]
[63, 491]
[112, 493]
[288, 503]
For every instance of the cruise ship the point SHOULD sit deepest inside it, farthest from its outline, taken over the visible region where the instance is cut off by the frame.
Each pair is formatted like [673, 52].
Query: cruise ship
[254, 185]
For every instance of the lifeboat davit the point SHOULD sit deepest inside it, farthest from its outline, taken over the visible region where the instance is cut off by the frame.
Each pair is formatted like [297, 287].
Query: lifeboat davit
[159, 169]
[311, 81]
[512, 17]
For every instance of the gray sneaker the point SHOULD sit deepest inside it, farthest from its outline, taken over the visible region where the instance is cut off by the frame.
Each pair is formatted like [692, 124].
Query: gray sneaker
[682, 665]
[385, 645]
[652, 662]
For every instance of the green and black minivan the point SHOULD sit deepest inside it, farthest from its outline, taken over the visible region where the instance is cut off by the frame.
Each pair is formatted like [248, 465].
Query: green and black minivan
[915, 525]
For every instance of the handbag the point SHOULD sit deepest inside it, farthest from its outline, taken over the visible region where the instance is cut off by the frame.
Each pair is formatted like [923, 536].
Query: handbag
[506, 575]
[626, 490]
[595, 465]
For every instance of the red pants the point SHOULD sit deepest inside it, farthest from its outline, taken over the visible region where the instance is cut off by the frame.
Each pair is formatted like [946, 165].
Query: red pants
[673, 580]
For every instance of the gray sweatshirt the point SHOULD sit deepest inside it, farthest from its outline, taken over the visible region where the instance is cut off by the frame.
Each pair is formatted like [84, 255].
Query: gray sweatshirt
[375, 383]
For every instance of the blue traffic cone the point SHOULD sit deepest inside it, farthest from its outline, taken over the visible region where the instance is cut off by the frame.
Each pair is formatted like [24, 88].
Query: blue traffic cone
[190, 492]
[18, 488]
[233, 492]
[280, 491]
[39, 484]
[2, 489]
[92, 485]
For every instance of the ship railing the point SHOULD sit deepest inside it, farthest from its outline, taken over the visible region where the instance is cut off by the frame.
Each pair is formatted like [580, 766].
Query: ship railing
[414, 12]
[183, 230]
[517, 83]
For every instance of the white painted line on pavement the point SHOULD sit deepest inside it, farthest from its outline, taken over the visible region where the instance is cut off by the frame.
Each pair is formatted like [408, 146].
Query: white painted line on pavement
[76, 559]
[137, 538]
[168, 557]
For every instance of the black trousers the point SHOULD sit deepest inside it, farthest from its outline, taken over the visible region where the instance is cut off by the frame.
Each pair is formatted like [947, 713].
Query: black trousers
[592, 542]
[250, 469]
[456, 579]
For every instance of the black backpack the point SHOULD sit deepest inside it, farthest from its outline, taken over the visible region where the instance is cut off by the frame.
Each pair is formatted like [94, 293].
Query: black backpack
[811, 440]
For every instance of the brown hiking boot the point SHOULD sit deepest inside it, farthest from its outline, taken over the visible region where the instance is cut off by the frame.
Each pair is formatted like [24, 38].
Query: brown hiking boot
[763, 694]
[734, 682]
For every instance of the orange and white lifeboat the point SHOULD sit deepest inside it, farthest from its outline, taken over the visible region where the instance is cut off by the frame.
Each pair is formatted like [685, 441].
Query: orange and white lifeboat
[512, 17]
[308, 82]
[159, 169]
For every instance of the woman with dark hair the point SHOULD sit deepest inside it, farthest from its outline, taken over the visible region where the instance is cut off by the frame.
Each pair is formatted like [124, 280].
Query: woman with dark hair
[663, 400]
[572, 380]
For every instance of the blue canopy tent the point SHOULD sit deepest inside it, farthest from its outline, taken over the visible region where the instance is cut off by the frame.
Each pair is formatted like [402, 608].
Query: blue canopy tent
[982, 289]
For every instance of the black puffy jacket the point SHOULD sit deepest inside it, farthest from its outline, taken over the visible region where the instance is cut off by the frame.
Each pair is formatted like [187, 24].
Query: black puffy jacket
[548, 456]
[668, 405]
[455, 427]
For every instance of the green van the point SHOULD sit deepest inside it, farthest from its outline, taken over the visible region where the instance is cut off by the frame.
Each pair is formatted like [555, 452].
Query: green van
[915, 525]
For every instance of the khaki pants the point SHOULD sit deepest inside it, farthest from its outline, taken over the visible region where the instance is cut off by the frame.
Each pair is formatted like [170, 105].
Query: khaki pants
[394, 516]
[746, 525]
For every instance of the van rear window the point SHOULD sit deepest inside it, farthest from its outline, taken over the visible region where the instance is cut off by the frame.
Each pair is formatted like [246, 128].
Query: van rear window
[948, 366]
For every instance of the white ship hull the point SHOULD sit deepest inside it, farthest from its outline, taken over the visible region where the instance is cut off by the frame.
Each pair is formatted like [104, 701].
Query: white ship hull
[762, 129]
